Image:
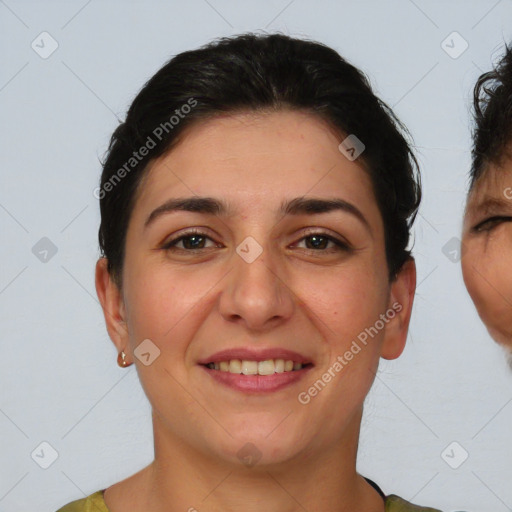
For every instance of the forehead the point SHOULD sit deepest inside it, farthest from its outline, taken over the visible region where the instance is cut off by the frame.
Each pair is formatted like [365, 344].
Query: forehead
[493, 181]
[257, 156]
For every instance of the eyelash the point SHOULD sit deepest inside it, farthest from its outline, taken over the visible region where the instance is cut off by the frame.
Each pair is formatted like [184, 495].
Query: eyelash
[491, 223]
[340, 245]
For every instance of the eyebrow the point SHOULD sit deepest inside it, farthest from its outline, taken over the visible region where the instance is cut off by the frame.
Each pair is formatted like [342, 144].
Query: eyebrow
[490, 204]
[296, 206]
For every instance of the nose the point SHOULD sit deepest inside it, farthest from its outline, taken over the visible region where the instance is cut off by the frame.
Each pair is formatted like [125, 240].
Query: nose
[256, 293]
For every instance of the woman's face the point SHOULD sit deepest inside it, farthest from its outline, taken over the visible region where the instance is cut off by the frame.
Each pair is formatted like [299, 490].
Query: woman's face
[487, 250]
[254, 278]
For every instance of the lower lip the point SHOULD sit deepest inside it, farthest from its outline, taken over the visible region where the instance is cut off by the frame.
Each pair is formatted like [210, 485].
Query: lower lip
[257, 383]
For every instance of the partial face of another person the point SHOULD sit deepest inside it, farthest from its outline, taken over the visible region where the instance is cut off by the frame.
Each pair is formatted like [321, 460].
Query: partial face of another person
[487, 250]
[251, 277]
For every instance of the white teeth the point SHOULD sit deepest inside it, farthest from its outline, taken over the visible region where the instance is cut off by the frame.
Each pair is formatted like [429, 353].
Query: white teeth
[235, 366]
[279, 365]
[268, 367]
[249, 367]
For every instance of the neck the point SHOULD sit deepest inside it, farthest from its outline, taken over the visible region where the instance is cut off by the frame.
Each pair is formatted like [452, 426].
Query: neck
[183, 478]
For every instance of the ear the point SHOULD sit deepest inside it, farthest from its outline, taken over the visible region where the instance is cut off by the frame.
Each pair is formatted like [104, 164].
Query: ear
[112, 304]
[401, 298]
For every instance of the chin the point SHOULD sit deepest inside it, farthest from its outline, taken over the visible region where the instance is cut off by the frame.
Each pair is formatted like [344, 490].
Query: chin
[260, 450]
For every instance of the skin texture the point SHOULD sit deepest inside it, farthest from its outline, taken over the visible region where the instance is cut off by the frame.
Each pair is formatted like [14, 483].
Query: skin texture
[487, 250]
[311, 300]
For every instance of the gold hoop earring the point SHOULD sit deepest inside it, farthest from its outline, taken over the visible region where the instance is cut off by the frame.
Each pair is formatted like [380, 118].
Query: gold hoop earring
[121, 360]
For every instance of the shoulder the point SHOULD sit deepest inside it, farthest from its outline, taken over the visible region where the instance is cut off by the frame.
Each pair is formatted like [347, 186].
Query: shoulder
[92, 503]
[396, 504]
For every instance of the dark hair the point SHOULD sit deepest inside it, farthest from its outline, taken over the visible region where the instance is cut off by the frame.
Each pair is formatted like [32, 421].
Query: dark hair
[492, 104]
[254, 72]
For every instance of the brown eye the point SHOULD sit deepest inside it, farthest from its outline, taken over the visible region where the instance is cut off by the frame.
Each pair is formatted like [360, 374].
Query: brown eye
[191, 241]
[318, 242]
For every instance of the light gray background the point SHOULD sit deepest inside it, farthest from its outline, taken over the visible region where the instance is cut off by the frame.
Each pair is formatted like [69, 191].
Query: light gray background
[59, 379]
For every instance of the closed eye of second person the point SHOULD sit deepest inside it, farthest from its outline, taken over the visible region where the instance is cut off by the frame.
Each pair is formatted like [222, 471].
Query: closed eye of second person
[490, 223]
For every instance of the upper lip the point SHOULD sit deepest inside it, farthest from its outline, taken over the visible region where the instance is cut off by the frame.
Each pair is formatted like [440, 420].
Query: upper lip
[255, 355]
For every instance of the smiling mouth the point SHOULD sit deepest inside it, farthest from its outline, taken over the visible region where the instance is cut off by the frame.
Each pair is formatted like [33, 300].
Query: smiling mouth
[267, 367]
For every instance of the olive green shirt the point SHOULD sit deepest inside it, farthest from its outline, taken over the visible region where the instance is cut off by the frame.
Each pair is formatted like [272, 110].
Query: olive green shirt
[96, 503]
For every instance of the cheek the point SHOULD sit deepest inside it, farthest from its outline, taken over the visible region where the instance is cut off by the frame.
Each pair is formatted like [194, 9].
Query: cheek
[158, 304]
[471, 278]
[346, 302]
[164, 306]
[486, 271]
[499, 291]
